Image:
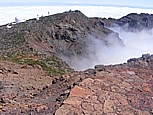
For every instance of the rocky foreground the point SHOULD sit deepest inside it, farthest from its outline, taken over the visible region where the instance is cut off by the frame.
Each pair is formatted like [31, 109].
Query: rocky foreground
[125, 89]
[112, 90]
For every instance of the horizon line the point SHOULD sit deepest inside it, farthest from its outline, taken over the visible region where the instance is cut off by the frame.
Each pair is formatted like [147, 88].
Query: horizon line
[70, 4]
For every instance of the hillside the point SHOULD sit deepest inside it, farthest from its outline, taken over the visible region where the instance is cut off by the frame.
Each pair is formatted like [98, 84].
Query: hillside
[66, 33]
[36, 78]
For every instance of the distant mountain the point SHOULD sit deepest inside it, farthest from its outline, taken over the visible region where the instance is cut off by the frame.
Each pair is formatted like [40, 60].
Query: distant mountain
[131, 22]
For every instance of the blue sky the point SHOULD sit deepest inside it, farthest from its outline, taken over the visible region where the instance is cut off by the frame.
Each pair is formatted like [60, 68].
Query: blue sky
[131, 3]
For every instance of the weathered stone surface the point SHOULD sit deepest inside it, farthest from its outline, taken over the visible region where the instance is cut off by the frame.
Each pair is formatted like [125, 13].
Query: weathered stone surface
[88, 106]
[62, 111]
[131, 72]
[108, 106]
[123, 101]
[98, 107]
[75, 101]
[80, 92]
[87, 81]
[125, 86]
[117, 91]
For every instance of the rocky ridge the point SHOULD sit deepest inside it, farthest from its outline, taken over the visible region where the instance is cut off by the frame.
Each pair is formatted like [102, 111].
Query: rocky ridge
[131, 22]
[66, 33]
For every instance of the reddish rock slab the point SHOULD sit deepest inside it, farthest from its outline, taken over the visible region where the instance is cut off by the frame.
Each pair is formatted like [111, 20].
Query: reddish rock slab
[80, 92]
[74, 101]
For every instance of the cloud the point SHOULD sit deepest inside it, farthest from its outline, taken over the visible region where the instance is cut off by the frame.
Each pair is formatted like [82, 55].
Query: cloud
[140, 40]
[8, 14]
[10, 1]
[135, 44]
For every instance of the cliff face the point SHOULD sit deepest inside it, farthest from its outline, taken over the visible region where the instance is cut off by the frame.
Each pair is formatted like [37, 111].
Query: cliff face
[66, 33]
[132, 22]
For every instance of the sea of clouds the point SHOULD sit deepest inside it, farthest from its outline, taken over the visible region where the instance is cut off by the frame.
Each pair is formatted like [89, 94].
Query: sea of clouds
[135, 43]
[8, 14]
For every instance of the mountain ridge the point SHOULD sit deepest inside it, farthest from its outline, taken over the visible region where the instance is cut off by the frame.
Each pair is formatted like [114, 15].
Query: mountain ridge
[59, 27]
[131, 22]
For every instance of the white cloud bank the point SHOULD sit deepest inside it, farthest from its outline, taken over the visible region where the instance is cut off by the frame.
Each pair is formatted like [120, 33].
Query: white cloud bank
[8, 14]
[135, 44]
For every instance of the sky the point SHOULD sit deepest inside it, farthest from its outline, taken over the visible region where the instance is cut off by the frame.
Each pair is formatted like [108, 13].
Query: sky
[27, 9]
[131, 3]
